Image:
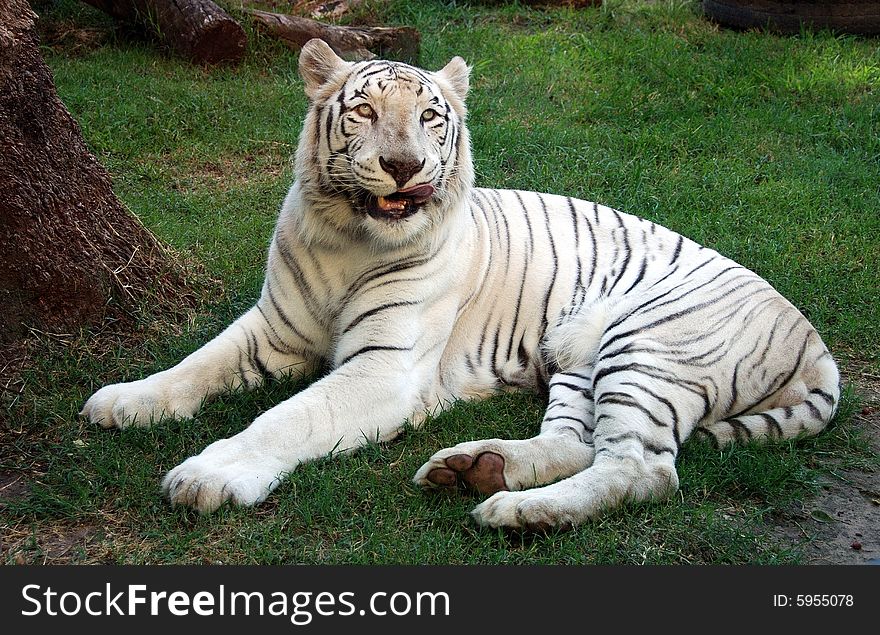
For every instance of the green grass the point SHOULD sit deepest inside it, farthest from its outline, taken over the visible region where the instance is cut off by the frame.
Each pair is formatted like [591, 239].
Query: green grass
[762, 147]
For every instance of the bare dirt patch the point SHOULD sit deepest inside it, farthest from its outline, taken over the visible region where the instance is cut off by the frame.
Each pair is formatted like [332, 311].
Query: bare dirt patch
[56, 544]
[13, 486]
[268, 164]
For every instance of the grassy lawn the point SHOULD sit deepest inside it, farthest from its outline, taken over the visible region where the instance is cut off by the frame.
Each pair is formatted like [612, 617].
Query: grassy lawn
[764, 148]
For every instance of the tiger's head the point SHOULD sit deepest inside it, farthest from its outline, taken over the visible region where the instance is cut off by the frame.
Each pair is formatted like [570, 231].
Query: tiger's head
[384, 152]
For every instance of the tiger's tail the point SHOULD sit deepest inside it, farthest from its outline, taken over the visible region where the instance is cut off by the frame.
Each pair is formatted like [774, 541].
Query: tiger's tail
[803, 407]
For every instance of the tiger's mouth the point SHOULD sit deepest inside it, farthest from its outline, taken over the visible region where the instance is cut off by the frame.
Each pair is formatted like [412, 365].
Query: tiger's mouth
[400, 204]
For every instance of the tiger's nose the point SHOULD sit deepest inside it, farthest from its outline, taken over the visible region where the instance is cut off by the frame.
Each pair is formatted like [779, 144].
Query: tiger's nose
[401, 170]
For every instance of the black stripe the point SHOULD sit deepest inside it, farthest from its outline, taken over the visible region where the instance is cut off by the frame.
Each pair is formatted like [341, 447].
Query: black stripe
[469, 363]
[639, 277]
[319, 113]
[374, 274]
[241, 371]
[626, 316]
[623, 436]
[700, 266]
[545, 318]
[571, 373]
[522, 354]
[369, 349]
[363, 75]
[677, 251]
[695, 360]
[739, 429]
[284, 317]
[794, 370]
[772, 424]
[577, 243]
[329, 127]
[525, 210]
[572, 387]
[663, 279]
[594, 261]
[659, 449]
[813, 410]
[691, 386]
[706, 283]
[495, 341]
[482, 343]
[561, 417]
[628, 249]
[705, 433]
[627, 400]
[255, 357]
[665, 402]
[310, 301]
[374, 311]
[734, 390]
[284, 346]
[519, 298]
[828, 398]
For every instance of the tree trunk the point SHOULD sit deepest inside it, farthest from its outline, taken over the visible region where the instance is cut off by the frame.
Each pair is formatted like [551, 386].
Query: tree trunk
[71, 254]
[349, 42]
[197, 30]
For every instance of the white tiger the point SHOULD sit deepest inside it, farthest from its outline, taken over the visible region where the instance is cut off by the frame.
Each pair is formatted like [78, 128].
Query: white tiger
[418, 289]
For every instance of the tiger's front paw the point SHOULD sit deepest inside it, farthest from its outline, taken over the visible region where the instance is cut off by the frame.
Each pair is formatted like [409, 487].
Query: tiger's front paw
[222, 472]
[476, 464]
[142, 402]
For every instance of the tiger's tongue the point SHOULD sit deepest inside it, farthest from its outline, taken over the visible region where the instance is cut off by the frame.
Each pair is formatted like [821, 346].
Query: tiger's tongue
[419, 193]
[397, 201]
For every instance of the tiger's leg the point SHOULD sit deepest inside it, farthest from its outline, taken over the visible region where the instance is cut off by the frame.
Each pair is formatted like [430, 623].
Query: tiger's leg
[564, 446]
[240, 357]
[803, 406]
[639, 421]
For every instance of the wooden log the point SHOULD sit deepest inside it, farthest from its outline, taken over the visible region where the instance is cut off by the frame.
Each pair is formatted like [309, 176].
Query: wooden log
[197, 30]
[791, 16]
[349, 42]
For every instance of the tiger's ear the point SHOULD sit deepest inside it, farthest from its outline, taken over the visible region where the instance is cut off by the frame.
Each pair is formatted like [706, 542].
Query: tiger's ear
[457, 74]
[317, 64]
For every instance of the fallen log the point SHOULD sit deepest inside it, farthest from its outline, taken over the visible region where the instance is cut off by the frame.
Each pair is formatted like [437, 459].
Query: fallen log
[197, 30]
[349, 42]
[792, 16]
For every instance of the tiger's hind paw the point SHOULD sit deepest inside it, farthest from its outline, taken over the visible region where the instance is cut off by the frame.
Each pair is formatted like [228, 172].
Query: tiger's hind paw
[530, 511]
[478, 468]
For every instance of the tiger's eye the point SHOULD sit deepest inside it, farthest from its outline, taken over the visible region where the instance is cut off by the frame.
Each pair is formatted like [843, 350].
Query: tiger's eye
[429, 114]
[365, 111]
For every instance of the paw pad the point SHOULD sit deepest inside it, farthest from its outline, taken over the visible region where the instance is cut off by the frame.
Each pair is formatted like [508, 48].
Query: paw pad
[485, 473]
